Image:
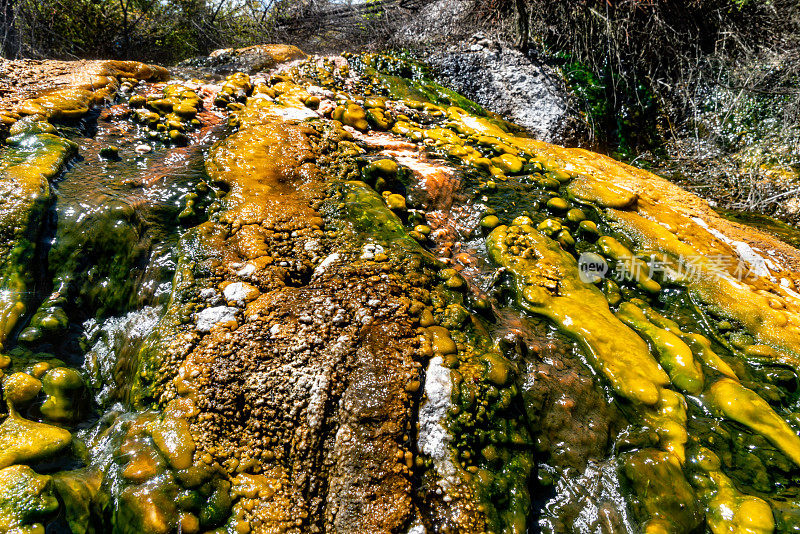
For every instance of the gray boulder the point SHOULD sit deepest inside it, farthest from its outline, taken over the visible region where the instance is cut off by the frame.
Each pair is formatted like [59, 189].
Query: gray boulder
[504, 80]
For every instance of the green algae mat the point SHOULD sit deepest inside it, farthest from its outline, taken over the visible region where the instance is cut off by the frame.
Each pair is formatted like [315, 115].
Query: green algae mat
[336, 296]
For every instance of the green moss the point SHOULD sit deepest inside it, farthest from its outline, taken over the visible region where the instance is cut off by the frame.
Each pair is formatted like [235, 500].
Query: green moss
[492, 442]
[368, 213]
[403, 78]
[621, 113]
[218, 505]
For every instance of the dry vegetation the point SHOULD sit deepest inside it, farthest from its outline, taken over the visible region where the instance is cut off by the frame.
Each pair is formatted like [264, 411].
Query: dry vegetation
[168, 31]
[706, 91]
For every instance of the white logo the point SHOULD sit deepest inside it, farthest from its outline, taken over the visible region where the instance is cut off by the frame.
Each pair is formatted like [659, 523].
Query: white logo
[593, 267]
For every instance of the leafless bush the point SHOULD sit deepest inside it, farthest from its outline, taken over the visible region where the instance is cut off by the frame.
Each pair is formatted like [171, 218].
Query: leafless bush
[676, 50]
[170, 30]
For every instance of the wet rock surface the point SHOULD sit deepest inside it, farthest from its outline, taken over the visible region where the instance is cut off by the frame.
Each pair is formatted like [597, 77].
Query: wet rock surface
[24, 78]
[340, 297]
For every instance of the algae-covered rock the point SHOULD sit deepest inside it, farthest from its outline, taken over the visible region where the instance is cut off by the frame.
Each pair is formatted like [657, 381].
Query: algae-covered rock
[26, 167]
[732, 511]
[712, 284]
[79, 491]
[379, 119]
[601, 194]
[47, 323]
[26, 500]
[64, 388]
[351, 114]
[441, 342]
[302, 312]
[729, 510]
[109, 152]
[384, 175]
[508, 163]
[490, 222]
[558, 204]
[674, 355]
[396, 202]
[134, 70]
[136, 101]
[173, 438]
[668, 419]
[235, 87]
[498, 369]
[251, 59]
[746, 407]
[665, 497]
[218, 506]
[549, 284]
[23, 441]
[31, 125]
[20, 388]
[369, 214]
[699, 344]
[143, 509]
[69, 103]
[632, 267]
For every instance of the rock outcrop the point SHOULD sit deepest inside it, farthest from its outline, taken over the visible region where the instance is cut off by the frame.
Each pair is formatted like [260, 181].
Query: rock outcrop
[506, 81]
[379, 320]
